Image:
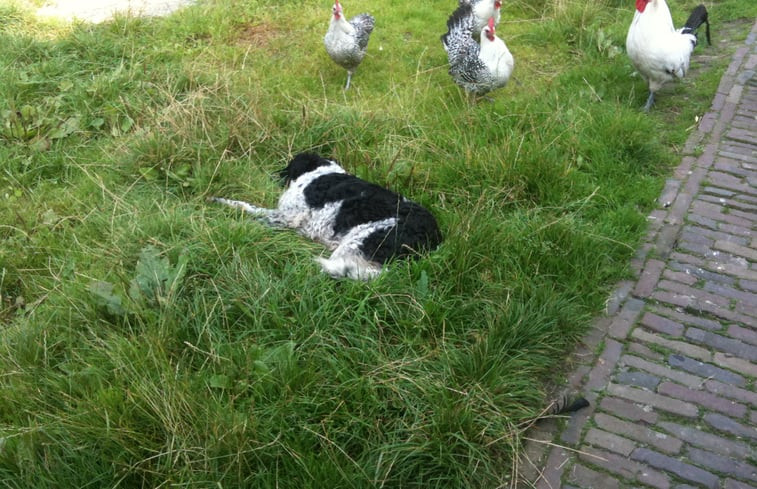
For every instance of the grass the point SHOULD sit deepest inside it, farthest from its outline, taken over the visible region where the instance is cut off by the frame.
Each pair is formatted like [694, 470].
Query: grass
[152, 340]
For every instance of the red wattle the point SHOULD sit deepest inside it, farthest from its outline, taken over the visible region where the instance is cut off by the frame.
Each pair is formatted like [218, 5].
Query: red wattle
[641, 5]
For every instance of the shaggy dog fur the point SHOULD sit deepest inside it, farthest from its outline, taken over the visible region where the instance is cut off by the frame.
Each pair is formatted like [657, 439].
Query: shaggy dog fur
[364, 224]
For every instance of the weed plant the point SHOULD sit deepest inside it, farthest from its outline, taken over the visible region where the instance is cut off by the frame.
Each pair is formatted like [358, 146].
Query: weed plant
[150, 339]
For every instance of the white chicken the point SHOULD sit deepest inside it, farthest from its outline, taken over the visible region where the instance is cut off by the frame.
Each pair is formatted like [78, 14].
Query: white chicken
[478, 69]
[483, 10]
[659, 52]
[345, 41]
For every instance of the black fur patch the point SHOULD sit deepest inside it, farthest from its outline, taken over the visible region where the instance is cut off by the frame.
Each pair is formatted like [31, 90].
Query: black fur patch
[416, 232]
[364, 202]
[338, 186]
[301, 164]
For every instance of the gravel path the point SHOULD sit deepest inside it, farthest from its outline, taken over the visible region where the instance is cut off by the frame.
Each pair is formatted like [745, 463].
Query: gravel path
[102, 10]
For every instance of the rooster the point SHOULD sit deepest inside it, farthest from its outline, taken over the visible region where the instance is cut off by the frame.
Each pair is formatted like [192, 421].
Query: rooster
[483, 10]
[478, 69]
[659, 51]
[346, 41]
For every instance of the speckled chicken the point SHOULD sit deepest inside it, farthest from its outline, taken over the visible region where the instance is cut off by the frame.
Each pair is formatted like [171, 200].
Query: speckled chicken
[345, 41]
[483, 10]
[478, 69]
[659, 52]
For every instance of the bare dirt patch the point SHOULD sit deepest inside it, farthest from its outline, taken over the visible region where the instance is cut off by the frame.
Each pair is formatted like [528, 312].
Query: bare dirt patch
[257, 35]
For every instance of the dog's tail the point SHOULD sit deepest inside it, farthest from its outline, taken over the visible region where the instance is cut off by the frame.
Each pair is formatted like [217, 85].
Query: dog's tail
[350, 266]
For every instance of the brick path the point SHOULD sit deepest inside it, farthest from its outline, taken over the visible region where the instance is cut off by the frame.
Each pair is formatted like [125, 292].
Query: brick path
[671, 370]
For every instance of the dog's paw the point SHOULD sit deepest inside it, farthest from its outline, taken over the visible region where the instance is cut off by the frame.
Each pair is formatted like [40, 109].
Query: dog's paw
[354, 268]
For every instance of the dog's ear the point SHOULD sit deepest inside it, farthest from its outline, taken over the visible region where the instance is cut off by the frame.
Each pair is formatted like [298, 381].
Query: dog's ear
[300, 165]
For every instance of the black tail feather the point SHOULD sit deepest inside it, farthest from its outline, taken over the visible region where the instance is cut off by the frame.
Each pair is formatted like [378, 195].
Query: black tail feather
[696, 19]
[459, 16]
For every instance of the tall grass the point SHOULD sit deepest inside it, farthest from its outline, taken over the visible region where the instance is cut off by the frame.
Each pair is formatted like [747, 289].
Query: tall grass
[152, 340]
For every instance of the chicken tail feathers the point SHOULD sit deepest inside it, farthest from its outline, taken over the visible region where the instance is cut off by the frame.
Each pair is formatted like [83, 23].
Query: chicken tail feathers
[363, 24]
[696, 19]
[460, 23]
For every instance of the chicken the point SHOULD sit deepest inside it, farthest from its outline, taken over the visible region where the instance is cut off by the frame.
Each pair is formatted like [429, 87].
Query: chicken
[346, 41]
[478, 69]
[659, 52]
[483, 10]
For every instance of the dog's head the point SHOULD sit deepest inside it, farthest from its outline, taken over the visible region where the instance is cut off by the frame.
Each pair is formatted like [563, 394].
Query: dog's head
[300, 165]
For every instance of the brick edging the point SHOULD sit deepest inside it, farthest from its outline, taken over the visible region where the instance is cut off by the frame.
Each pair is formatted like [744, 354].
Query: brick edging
[544, 458]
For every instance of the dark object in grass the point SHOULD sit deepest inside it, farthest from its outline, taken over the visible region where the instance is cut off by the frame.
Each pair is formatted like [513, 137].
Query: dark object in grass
[566, 403]
[363, 223]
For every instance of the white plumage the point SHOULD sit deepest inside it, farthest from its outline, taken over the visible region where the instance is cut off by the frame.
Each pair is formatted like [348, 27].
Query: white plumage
[659, 52]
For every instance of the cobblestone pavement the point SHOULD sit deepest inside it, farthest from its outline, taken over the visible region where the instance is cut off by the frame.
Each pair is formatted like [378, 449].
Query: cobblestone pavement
[671, 369]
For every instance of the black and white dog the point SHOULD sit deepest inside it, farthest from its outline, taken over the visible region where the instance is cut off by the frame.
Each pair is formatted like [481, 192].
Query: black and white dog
[364, 224]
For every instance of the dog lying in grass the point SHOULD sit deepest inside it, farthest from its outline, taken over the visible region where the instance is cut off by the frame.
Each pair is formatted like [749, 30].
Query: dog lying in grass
[364, 224]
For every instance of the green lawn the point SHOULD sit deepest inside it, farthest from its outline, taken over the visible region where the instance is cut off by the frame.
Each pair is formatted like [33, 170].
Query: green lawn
[150, 339]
